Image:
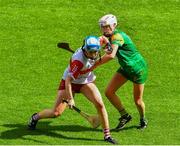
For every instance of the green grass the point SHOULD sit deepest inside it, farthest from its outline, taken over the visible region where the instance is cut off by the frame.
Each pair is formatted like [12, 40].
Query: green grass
[31, 67]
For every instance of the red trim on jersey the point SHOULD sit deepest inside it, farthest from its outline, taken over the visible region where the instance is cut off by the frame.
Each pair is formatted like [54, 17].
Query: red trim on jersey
[75, 68]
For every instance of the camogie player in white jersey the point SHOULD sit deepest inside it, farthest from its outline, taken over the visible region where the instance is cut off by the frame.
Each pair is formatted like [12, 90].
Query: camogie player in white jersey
[78, 78]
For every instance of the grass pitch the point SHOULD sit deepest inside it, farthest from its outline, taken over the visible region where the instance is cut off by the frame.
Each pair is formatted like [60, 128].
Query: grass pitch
[31, 67]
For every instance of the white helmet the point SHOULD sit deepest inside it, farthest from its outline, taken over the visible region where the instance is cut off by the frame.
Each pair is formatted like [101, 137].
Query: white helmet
[108, 19]
[91, 43]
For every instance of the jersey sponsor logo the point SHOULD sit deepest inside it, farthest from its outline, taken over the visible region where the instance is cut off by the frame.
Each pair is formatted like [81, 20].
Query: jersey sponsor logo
[74, 68]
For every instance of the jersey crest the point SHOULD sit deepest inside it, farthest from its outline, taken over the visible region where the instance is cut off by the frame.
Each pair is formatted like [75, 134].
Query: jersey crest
[117, 39]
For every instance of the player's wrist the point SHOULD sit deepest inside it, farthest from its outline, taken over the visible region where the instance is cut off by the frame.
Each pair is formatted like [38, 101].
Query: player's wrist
[71, 103]
[69, 98]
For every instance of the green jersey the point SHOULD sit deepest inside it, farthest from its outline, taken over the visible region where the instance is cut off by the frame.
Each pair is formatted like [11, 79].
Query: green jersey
[131, 61]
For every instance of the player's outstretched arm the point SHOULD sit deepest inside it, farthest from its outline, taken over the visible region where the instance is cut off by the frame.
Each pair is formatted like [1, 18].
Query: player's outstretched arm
[106, 57]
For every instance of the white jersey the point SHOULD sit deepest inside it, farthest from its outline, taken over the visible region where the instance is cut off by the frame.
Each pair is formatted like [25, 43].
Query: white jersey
[79, 68]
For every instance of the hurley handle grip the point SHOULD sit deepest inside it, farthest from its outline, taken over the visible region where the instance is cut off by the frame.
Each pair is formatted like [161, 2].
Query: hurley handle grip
[75, 108]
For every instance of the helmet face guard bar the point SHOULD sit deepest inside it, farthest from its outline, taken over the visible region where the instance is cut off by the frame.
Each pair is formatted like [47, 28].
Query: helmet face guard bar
[92, 49]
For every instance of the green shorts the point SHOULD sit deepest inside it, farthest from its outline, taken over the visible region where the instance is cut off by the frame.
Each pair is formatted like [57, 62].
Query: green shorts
[137, 74]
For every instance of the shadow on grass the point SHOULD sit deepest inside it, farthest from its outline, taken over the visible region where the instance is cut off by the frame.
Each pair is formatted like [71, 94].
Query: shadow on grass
[125, 128]
[20, 131]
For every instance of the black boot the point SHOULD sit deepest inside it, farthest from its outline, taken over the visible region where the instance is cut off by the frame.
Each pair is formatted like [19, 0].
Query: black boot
[32, 123]
[123, 120]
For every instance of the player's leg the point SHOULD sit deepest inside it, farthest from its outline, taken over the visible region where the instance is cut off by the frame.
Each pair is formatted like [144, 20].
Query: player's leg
[116, 82]
[138, 98]
[58, 108]
[92, 93]
[56, 111]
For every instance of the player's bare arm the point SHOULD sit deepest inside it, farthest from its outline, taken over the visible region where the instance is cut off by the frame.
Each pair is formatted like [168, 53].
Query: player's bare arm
[107, 57]
[69, 94]
[68, 88]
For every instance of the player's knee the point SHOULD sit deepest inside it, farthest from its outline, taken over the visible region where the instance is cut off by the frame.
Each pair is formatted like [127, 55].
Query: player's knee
[108, 93]
[99, 105]
[138, 101]
[56, 114]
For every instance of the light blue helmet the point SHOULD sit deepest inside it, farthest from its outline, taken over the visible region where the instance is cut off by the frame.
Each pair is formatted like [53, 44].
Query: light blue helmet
[91, 44]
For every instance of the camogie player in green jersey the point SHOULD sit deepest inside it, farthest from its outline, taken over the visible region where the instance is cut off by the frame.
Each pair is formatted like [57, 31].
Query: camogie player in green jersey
[133, 67]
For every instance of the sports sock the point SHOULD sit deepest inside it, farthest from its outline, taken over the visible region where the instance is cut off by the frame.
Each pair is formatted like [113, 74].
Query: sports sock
[36, 117]
[123, 112]
[106, 133]
[142, 118]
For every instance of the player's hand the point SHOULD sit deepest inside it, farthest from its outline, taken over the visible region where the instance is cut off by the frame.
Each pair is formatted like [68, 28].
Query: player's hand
[71, 103]
[103, 40]
[108, 48]
[105, 44]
